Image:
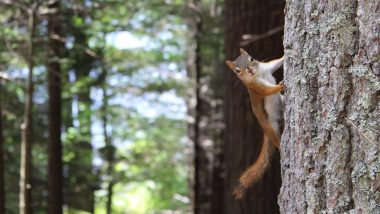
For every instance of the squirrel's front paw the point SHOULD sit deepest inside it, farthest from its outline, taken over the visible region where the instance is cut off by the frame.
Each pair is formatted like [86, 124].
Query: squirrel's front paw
[281, 85]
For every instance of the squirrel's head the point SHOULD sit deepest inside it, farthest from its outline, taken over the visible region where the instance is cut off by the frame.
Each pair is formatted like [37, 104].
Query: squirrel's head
[244, 66]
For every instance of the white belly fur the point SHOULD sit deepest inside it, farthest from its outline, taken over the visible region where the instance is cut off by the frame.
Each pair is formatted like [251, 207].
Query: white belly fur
[272, 105]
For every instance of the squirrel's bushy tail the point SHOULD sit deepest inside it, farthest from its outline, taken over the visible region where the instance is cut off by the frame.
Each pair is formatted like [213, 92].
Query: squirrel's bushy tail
[256, 170]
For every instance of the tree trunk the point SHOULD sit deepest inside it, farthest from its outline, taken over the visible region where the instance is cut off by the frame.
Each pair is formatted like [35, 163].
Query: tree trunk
[109, 148]
[55, 194]
[199, 194]
[26, 127]
[80, 195]
[330, 161]
[243, 133]
[109, 197]
[205, 53]
[201, 161]
[2, 169]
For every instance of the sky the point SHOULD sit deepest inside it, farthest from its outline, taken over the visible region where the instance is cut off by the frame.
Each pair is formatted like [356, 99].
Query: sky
[126, 40]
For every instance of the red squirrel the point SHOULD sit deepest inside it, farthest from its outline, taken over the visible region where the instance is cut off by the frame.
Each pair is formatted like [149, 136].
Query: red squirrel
[266, 103]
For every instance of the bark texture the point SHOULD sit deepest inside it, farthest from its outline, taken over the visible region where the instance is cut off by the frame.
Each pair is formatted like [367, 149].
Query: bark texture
[243, 133]
[330, 145]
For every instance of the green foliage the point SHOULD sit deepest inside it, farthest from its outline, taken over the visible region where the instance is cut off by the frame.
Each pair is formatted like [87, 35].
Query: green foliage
[153, 160]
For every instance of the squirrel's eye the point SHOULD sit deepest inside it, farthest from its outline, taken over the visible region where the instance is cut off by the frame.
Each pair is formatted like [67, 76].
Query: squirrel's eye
[237, 70]
[250, 59]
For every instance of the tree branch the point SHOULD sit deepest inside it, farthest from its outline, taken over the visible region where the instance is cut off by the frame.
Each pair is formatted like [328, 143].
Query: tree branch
[250, 38]
[86, 50]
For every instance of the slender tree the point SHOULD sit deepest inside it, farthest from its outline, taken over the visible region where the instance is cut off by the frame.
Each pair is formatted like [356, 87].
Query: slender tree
[246, 18]
[2, 142]
[80, 195]
[26, 127]
[55, 193]
[109, 148]
[191, 101]
[109, 151]
[330, 145]
[201, 178]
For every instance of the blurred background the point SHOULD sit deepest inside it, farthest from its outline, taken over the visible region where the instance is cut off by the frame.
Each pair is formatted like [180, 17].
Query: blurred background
[111, 106]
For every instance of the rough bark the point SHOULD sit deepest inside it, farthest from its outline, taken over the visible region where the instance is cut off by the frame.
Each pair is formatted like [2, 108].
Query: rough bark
[26, 127]
[330, 161]
[55, 176]
[243, 133]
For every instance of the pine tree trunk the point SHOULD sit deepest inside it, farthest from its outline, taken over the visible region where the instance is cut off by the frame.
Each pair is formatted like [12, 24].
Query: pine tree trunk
[329, 154]
[55, 182]
[243, 133]
[26, 127]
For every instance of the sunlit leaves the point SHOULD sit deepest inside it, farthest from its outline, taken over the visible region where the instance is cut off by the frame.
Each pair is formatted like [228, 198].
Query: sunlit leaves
[153, 147]
[77, 21]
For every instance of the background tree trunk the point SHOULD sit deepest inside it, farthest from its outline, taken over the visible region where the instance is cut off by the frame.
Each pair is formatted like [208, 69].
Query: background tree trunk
[26, 127]
[202, 181]
[80, 195]
[205, 48]
[109, 147]
[191, 100]
[243, 133]
[330, 161]
[2, 153]
[55, 182]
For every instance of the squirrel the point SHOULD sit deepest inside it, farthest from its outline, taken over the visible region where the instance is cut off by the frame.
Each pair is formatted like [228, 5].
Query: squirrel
[266, 103]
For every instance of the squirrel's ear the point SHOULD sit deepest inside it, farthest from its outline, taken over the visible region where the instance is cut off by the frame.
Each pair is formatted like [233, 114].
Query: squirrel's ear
[242, 51]
[230, 64]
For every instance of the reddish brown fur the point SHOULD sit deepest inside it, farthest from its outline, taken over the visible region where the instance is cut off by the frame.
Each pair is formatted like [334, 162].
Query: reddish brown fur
[258, 110]
[257, 92]
[254, 172]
